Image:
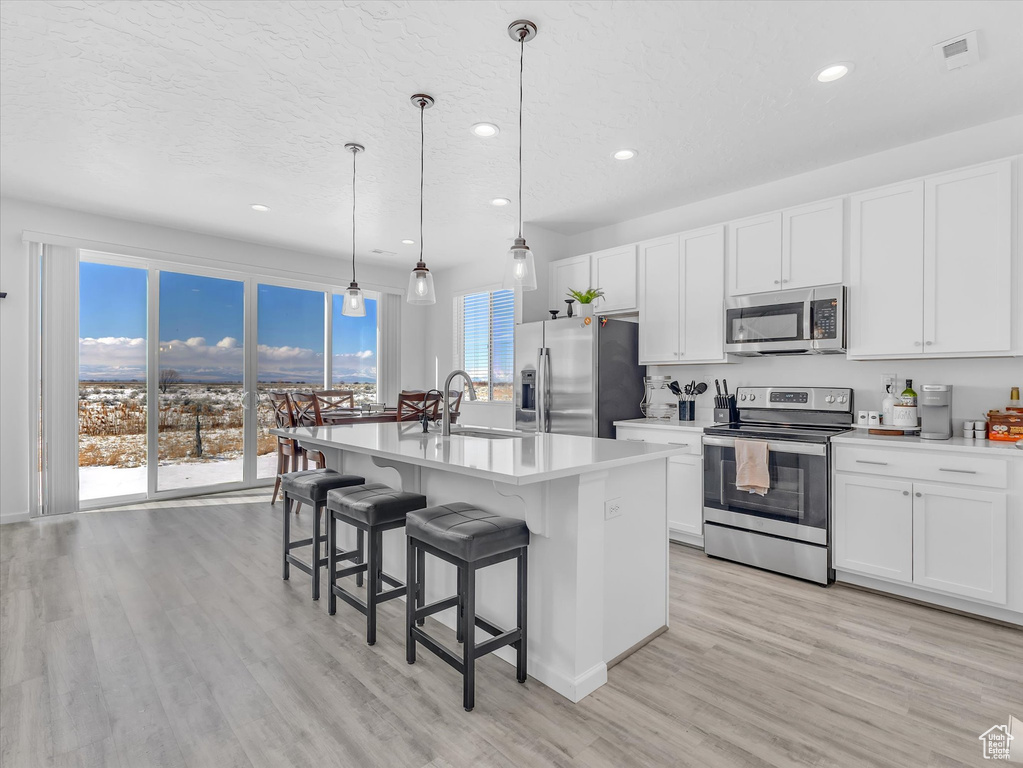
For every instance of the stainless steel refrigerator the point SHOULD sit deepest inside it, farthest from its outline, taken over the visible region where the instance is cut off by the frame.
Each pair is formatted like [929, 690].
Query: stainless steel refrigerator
[575, 378]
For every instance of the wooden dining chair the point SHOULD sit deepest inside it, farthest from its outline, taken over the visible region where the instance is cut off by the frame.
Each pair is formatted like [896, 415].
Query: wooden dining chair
[335, 398]
[307, 414]
[288, 451]
[412, 403]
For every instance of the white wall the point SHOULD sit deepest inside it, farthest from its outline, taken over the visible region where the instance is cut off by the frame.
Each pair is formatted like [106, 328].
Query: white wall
[485, 273]
[979, 383]
[17, 413]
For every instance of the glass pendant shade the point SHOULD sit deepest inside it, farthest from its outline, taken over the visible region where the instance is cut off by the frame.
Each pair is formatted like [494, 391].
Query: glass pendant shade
[420, 286]
[355, 305]
[519, 271]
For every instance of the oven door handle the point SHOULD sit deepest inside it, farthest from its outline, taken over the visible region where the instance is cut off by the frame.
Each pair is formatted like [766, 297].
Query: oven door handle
[807, 449]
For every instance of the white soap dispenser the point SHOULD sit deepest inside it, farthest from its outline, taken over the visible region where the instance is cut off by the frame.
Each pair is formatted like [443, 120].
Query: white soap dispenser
[888, 406]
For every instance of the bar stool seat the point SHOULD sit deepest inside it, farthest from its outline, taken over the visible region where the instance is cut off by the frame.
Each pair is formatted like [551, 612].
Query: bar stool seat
[371, 508]
[310, 487]
[469, 538]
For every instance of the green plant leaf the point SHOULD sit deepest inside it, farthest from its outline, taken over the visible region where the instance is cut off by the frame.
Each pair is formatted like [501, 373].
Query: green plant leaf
[587, 296]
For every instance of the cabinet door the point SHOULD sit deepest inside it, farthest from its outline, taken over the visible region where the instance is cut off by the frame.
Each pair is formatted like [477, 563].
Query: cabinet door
[811, 245]
[702, 331]
[685, 496]
[568, 273]
[873, 520]
[968, 261]
[959, 541]
[614, 272]
[754, 255]
[885, 271]
[659, 302]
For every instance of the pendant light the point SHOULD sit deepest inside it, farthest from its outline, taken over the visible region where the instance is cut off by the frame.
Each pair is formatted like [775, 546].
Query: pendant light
[520, 271]
[354, 305]
[420, 282]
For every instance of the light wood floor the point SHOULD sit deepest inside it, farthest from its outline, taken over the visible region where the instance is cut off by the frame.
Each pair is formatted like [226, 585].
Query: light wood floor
[163, 635]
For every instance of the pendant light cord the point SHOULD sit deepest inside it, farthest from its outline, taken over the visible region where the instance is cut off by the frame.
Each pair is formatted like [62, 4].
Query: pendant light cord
[354, 156]
[522, 53]
[422, 170]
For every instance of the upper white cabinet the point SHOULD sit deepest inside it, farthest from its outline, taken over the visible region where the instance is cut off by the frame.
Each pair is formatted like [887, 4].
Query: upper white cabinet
[795, 248]
[614, 272]
[930, 266]
[571, 273]
[681, 298]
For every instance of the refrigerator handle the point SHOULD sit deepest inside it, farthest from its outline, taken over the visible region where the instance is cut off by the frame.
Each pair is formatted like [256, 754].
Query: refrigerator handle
[546, 389]
[541, 389]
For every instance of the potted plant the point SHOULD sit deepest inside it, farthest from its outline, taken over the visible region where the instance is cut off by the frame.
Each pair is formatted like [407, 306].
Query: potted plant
[585, 299]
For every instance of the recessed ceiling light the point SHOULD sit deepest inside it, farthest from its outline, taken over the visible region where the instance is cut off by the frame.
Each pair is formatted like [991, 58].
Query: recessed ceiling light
[624, 154]
[834, 72]
[485, 130]
[408, 242]
[260, 207]
[500, 201]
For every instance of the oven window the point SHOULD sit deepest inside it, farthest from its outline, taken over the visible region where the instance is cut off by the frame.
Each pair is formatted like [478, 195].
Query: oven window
[798, 493]
[779, 322]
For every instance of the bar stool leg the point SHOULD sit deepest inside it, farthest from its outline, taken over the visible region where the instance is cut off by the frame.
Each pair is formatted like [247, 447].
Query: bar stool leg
[287, 535]
[459, 606]
[520, 656]
[360, 548]
[331, 562]
[412, 587]
[372, 586]
[421, 580]
[469, 641]
[317, 548]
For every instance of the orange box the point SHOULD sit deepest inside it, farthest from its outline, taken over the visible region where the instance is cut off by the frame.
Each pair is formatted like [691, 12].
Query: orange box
[1006, 426]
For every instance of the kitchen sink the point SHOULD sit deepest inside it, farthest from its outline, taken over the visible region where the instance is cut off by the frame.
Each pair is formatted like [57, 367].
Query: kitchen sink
[489, 434]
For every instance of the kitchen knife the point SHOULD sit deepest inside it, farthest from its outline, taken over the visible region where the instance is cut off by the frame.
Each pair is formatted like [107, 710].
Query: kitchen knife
[717, 385]
[724, 383]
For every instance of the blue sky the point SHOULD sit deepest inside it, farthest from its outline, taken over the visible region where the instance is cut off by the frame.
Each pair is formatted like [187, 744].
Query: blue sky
[202, 329]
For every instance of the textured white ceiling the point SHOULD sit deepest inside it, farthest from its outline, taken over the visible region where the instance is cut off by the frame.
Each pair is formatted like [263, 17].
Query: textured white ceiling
[184, 113]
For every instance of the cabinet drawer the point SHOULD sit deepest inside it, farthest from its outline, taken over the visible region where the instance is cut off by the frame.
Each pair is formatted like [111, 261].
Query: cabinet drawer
[935, 466]
[691, 440]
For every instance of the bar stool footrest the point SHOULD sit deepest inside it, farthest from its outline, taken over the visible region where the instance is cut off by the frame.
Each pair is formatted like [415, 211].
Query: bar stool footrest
[302, 565]
[437, 648]
[499, 641]
[432, 608]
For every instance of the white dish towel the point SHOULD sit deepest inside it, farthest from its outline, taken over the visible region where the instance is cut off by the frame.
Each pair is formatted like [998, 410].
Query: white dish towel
[751, 471]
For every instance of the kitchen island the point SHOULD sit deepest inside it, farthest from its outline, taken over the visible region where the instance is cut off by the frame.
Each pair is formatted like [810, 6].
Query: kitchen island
[597, 514]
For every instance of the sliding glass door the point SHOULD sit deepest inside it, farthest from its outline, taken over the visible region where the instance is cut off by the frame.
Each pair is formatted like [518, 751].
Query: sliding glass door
[354, 351]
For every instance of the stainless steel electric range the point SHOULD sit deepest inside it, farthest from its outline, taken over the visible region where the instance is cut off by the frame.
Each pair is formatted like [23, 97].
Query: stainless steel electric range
[788, 530]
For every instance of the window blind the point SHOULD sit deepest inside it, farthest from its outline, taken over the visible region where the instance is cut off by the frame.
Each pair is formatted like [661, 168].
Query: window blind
[485, 342]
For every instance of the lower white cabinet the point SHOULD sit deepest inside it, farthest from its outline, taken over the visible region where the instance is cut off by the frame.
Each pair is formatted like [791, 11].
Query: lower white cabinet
[685, 499]
[959, 541]
[942, 537]
[874, 526]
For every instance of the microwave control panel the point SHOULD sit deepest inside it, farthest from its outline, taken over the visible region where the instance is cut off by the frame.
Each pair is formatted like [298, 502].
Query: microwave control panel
[824, 316]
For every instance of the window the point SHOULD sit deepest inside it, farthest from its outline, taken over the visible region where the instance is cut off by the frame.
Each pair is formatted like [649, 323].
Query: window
[354, 353]
[485, 342]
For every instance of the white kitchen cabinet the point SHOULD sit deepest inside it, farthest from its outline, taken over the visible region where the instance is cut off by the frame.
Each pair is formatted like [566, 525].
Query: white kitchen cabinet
[614, 272]
[811, 245]
[754, 255]
[660, 271]
[873, 521]
[960, 541]
[685, 499]
[571, 273]
[681, 298]
[967, 256]
[930, 267]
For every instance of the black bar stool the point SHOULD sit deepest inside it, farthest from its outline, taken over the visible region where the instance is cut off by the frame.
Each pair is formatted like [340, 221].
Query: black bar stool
[371, 508]
[310, 487]
[470, 539]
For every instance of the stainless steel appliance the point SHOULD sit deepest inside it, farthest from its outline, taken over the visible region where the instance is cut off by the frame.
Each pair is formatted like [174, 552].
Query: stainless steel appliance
[805, 322]
[788, 530]
[935, 406]
[576, 376]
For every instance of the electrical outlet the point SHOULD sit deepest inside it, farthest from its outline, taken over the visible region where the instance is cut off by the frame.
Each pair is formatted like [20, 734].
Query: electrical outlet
[889, 378]
[612, 508]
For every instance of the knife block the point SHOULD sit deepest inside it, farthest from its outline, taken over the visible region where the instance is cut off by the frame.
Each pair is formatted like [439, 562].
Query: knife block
[727, 415]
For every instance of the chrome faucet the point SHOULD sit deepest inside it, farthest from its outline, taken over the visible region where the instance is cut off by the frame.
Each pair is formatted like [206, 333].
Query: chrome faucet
[445, 418]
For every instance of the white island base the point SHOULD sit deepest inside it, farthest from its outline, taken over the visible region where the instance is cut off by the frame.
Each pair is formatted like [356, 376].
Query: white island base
[597, 587]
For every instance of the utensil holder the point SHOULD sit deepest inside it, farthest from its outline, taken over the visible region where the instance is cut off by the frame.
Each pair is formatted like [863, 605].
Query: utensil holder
[686, 410]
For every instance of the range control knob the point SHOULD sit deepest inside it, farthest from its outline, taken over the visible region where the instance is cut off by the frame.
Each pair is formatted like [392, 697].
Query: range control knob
[742, 396]
[842, 399]
[752, 397]
[829, 399]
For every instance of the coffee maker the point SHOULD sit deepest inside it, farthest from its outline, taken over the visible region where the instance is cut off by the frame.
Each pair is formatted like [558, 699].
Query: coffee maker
[935, 401]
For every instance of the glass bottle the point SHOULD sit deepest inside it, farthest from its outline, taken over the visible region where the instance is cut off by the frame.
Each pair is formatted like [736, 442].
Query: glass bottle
[909, 394]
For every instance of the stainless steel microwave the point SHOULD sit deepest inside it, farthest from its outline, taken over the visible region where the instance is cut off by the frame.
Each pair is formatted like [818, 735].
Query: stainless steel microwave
[801, 322]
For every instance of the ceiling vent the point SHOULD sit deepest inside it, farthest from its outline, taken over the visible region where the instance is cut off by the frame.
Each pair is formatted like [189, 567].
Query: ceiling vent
[958, 52]
[380, 252]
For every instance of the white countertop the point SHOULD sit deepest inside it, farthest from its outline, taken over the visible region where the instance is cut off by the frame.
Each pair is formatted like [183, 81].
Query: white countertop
[673, 424]
[1000, 448]
[518, 461]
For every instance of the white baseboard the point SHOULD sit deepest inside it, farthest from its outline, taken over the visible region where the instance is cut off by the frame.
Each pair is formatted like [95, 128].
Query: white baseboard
[14, 517]
[682, 537]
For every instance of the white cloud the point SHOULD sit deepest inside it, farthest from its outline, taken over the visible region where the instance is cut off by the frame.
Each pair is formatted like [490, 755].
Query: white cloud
[228, 342]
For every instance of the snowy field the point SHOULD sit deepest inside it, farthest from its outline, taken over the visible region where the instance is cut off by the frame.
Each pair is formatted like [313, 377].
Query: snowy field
[105, 482]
